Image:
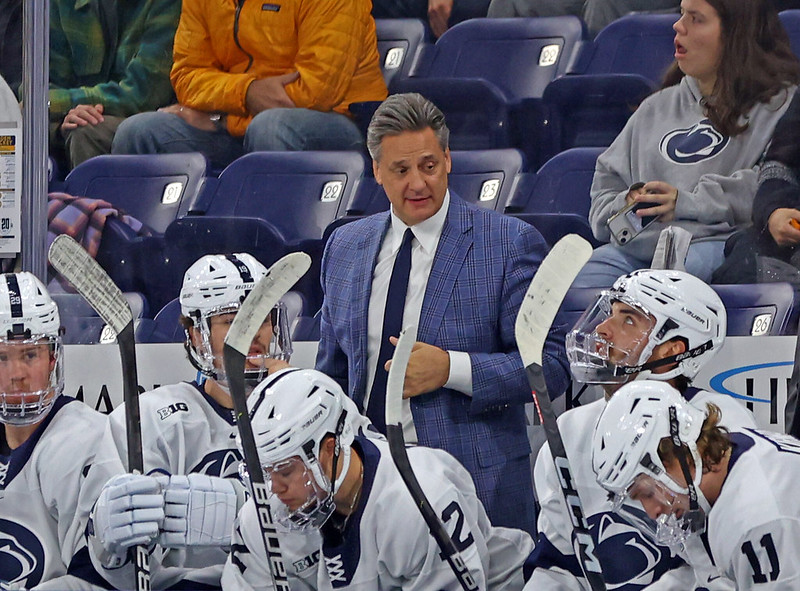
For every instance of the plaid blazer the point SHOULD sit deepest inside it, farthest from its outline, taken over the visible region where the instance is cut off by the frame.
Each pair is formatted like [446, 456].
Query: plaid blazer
[481, 270]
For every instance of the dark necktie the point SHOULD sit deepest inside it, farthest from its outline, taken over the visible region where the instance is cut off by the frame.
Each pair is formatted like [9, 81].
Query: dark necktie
[392, 325]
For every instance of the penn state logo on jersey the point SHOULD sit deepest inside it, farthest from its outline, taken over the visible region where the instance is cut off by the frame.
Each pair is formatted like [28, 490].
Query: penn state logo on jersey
[21, 555]
[694, 144]
[224, 463]
[644, 562]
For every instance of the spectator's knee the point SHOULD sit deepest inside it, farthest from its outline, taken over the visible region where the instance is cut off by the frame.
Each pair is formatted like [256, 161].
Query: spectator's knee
[135, 134]
[274, 129]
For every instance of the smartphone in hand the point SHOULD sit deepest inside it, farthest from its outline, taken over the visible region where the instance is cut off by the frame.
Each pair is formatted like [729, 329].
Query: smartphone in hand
[626, 225]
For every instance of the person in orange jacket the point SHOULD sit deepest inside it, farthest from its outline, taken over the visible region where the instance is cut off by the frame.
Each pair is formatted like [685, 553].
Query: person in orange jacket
[263, 76]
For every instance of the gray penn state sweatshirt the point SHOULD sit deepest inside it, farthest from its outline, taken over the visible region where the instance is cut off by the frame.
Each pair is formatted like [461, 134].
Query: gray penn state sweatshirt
[670, 139]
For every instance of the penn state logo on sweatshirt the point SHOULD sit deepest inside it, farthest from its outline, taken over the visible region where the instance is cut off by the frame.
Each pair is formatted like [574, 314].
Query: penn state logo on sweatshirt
[694, 144]
[21, 555]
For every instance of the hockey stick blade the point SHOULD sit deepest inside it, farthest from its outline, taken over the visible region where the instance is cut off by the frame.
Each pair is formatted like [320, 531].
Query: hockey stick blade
[280, 277]
[545, 294]
[90, 280]
[87, 276]
[397, 447]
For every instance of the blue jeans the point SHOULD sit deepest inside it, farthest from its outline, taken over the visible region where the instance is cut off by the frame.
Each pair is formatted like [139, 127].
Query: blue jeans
[608, 263]
[271, 130]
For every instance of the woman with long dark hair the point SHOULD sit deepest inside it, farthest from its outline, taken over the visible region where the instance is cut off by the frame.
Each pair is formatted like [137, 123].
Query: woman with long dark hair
[690, 150]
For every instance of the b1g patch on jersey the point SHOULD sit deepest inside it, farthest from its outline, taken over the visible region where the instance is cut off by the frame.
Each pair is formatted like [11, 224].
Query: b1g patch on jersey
[694, 144]
[21, 555]
[306, 562]
[170, 410]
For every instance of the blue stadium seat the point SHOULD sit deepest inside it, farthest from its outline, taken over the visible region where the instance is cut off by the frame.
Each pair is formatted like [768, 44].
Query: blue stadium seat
[55, 178]
[82, 325]
[401, 42]
[577, 300]
[488, 77]
[485, 177]
[556, 199]
[267, 204]
[791, 22]
[625, 63]
[554, 226]
[561, 185]
[369, 198]
[164, 327]
[154, 188]
[299, 193]
[760, 309]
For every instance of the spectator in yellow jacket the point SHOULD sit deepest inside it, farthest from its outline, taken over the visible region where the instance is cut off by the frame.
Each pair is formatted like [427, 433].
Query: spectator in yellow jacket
[263, 75]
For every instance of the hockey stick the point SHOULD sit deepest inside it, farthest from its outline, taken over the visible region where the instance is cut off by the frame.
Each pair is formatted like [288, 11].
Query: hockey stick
[93, 283]
[248, 320]
[397, 447]
[542, 300]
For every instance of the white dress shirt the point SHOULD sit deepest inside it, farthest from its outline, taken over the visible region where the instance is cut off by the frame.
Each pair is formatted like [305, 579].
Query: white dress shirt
[423, 251]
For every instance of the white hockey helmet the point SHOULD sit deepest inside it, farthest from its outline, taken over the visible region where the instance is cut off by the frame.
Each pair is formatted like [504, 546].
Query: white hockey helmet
[678, 304]
[218, 284]
[626, 462]
[632, 425]
[28, 317]
[292, 412]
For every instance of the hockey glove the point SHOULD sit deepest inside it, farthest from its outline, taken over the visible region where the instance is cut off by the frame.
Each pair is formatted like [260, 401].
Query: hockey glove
[199, 510]
[128, 512]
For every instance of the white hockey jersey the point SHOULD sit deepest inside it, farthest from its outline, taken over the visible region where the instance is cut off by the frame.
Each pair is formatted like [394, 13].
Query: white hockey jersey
[48, 485]
[184, 431]
[754, 525]
[630, 561]
[385, 544]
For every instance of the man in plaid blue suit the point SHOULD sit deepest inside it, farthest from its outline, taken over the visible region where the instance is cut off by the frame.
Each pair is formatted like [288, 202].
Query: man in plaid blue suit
[465, 385]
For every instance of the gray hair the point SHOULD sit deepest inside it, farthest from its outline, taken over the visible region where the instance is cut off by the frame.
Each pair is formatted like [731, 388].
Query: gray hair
[405, 112]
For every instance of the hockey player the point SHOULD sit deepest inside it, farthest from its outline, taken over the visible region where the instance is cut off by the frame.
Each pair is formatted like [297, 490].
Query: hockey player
[324, 475]
[52, 462]
[654, 449]
[656, 324]
[188, 432]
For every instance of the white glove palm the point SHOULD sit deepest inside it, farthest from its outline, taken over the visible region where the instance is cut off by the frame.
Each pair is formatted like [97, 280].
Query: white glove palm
[128, 512]
[199, 511]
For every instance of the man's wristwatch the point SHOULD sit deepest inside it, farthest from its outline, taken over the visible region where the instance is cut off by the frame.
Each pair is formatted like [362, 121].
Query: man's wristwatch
[218, 119]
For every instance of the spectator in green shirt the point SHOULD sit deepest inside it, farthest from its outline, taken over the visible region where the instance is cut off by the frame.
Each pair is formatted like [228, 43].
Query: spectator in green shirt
[109, 59]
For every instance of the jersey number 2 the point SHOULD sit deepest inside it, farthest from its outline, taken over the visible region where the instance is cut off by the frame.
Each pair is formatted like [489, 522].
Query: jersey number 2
[769, 546]
[447, 514]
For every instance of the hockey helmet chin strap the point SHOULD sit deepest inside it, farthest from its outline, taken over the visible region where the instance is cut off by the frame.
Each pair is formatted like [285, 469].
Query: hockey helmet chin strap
[695, 517]
[627, 370]
[337, 449]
